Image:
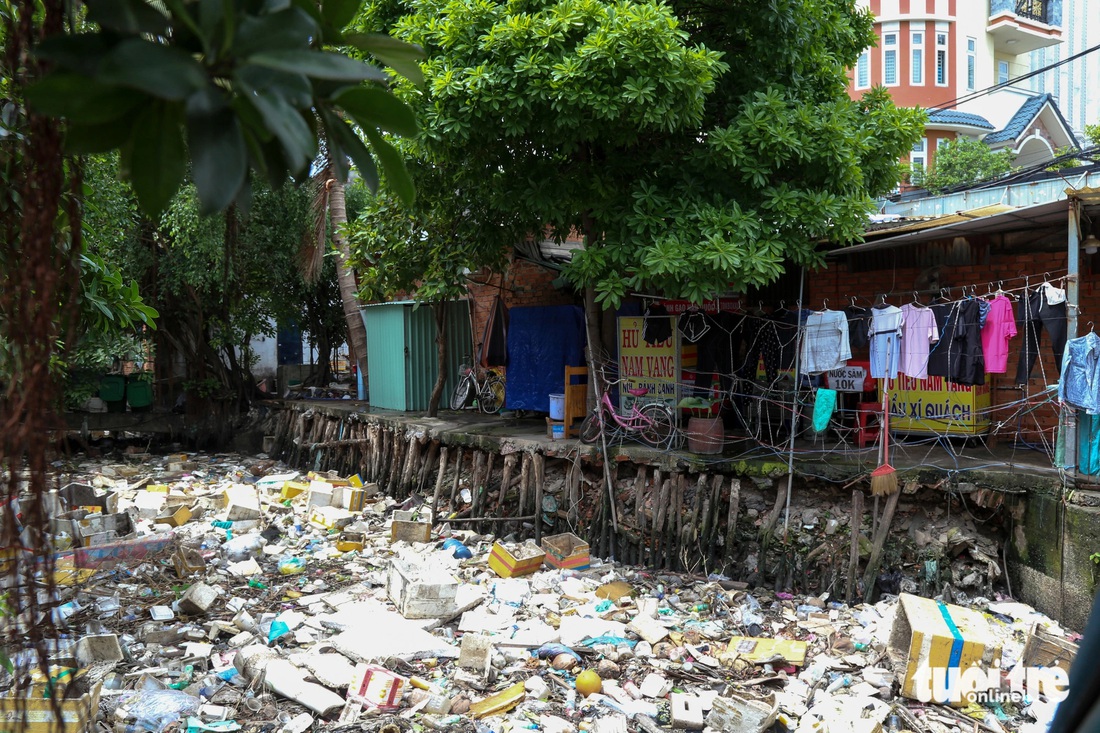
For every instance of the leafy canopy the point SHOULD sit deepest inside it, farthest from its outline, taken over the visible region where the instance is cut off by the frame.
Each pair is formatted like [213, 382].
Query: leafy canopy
[966, 160]
[696, 147]
[228, 88]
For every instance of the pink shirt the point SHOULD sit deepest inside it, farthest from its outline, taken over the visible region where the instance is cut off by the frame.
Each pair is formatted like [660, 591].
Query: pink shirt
[918, 332]
[999, 327]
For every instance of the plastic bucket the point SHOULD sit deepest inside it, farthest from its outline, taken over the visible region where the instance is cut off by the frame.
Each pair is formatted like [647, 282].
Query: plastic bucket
[557, 432]
[557, 407]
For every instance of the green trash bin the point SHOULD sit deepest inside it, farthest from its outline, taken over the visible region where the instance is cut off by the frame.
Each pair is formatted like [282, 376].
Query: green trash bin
[112, 390]
[139, 393]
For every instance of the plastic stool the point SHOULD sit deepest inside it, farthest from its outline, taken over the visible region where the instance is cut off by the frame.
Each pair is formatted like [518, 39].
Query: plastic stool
[868, 422]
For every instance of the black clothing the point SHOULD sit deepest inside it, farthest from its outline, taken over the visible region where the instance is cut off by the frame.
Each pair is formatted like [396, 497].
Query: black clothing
[1033, 314]
[966, 356]
[656, 326]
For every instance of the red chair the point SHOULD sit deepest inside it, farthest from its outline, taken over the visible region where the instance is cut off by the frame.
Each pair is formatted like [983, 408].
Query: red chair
[868, 423]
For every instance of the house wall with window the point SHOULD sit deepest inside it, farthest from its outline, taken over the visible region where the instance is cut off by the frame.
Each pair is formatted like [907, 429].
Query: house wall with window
[931, 53]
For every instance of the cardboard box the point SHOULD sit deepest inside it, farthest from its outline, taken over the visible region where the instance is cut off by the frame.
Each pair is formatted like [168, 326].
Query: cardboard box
[411, 526]
[1044, 649]
[422, 591]
[566, 551]
[35, 713]
[508, 562]
[376, 687]
[930, 635]
[174, 516]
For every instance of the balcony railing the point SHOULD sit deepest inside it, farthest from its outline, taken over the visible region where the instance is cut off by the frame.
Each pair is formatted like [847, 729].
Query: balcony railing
[1037, 10]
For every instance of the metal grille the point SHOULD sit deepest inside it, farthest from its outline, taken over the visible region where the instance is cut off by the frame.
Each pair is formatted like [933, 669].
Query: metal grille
[1032, 9]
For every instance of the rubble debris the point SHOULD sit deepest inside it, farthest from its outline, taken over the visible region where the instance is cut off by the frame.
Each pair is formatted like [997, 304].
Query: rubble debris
[224, 593]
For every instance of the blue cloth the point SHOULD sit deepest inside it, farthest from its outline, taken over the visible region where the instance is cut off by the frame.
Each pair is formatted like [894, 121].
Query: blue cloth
[1080, 383]
[824, 404]
[885, 341]
[542, 341]
[1088, 443]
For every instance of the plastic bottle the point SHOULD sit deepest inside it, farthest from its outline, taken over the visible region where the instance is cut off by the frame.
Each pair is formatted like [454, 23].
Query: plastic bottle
[843, 680]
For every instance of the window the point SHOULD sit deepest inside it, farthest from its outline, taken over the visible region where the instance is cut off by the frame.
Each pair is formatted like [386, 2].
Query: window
[916, 73]
[863, 70]
[941, 59]
[890, 59]
[971, 62]
[918, 159]
[1002, 72]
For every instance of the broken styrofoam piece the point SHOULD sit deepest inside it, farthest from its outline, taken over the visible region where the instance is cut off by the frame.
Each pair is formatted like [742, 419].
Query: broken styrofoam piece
[735, 712]
[476, 654]
[392, 635]
[99, 648]
[283, 678]
[198, 599]
[687, 711]
[654, 685]
[648, 628]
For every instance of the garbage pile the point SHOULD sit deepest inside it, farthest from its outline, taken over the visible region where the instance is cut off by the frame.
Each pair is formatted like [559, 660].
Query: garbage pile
[216, 593]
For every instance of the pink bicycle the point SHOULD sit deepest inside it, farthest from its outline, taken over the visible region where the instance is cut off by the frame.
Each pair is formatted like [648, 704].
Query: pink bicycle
[653, 423]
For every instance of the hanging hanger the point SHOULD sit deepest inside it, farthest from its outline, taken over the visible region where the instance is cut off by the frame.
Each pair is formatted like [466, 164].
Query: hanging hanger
[916, 300]
[853, 299]
[824, 304]
[945, 295]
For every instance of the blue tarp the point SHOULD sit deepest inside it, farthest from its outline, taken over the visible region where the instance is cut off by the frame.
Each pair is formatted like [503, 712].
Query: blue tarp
[542, 341]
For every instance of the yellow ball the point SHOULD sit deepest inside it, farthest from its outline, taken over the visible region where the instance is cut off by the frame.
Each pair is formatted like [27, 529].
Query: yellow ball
[589, 683]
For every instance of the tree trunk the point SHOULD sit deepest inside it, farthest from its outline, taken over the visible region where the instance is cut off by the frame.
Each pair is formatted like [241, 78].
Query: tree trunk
[440, 310]
[357, 332]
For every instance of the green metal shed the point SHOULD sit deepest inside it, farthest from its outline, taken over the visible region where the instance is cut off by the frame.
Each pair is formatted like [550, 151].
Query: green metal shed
[402, 360]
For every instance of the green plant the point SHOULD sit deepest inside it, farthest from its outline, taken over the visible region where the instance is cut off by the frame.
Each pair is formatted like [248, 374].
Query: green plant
[964, 161]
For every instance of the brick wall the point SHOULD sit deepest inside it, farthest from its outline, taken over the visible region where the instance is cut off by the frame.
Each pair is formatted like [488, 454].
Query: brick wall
[524, 283]
[846, 277]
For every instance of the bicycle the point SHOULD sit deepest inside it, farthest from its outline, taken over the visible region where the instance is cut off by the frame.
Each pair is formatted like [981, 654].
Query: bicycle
[653, 423]
[488, 395]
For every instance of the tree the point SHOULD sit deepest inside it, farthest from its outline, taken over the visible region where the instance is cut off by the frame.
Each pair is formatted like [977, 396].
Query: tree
[698, 148]
[423, 251]
[964, 161]
[1092, 133]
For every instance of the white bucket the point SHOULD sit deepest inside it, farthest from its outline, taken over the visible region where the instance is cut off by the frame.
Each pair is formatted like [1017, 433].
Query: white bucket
[557, 407]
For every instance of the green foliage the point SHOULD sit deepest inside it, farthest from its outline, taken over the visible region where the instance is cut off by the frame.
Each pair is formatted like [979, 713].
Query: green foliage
[223, 89]
[965, 161]
[1092, 133]
[697, 149]
[1064, 159]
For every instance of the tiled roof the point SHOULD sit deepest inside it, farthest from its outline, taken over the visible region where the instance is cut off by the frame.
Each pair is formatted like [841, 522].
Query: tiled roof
[1020, 121]
[954, 117]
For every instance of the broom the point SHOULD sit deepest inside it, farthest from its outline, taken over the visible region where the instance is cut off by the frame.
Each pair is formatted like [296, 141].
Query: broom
[884, 480]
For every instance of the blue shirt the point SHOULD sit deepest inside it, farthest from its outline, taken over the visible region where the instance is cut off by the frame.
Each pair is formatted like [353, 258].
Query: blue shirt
[1080, 384]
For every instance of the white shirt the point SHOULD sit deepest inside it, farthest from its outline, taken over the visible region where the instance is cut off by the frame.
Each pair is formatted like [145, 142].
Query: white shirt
[825, 343]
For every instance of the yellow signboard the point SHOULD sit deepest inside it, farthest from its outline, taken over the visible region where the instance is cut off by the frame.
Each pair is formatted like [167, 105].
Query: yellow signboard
[641, 364]
[934, 405]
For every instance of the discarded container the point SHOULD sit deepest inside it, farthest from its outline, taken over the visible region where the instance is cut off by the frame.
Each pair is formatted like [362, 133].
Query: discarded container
[35, 713]
[112, 390]
[174, 516]
[421, 592]
[733, 711]
[458, 550]
[198, 599]
[98, 648]
[376, 687]
[411, 526]
[1044, 649]
[566, 551]
[930, 635]
[509, 562]
[350, 541]
[355, 499]
[292, 489]
[139, 394]
[188, 561]
[557, 407]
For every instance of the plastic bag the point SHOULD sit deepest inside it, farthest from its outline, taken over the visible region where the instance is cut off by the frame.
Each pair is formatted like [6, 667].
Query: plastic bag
[155, 710]
[291, 565]
[244, 547]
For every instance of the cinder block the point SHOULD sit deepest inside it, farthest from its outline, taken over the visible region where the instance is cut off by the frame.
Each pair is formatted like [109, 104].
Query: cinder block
[198, 599]
[687, 711]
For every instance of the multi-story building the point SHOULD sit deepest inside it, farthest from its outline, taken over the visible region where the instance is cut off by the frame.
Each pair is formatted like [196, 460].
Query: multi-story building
[937, 54]
[1075, 84]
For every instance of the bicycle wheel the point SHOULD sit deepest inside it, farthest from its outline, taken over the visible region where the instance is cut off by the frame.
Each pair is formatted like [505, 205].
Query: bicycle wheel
[660, 429]
[491, 398]
[590, 428]
[461, 396]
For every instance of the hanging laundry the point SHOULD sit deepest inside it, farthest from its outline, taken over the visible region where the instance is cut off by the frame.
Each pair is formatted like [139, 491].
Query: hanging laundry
[1088, 443]
[1035, 313]
[824, 406]
[693, 325]
[762, 337]
[939, 357]
[656, 326]
[787, 323]
[885, 338]
[999, 328]
[1080, 383]
[967, 361]
[918, 332]
[825, 342]
[1053, 294]
[859, 326]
